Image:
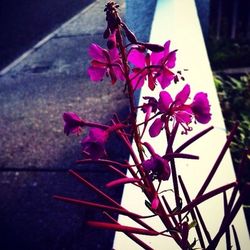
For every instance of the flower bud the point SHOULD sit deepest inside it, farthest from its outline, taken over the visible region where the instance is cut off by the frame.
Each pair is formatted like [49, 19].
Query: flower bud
[94, 143]
[153, 47]
[155, 202]
[111, 43]
[129, 34]
[72, 123]
[106, 33]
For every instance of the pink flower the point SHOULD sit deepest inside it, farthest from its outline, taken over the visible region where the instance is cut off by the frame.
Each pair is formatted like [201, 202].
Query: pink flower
[179, 111]
[154, 66]
[166, 60]
[104, 62]
[143, 70]
[72, 123]
[94, 143]
[157, 167]
[172, 109]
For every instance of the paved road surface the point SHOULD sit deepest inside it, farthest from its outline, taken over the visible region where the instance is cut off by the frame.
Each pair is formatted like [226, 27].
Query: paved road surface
[24, 22]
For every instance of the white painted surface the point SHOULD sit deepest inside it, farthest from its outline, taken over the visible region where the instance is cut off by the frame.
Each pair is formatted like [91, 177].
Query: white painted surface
[177, 20]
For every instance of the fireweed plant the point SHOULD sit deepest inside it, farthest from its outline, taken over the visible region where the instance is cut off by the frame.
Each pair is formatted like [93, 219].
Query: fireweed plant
[136, 64]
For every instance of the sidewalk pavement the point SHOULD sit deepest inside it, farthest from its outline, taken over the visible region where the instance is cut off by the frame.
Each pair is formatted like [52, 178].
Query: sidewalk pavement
[35, 154]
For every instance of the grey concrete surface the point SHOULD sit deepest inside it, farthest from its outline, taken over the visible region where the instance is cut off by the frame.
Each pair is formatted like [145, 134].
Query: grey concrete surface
[35, 94]
[35, 154]
[23, 23]
[31, 219]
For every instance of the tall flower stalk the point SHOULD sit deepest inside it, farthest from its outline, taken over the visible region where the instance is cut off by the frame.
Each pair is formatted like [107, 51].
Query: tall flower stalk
[136, 64]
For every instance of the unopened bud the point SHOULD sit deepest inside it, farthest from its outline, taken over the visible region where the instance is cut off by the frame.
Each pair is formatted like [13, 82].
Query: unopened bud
[129, 34]
[155, 203]
[111, 43]
[140, 48]
[112, 15]
[153, 47]
[106, 33]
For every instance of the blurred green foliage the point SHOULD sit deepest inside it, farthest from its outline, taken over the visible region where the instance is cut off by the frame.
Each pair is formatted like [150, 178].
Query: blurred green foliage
[234, 96]
[228, 54]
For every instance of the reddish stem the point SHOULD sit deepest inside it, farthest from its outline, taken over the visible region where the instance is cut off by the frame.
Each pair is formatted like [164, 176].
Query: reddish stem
[174, 173]
[131, 236]
[225, 224]
[192, 212]
[218, 160]
[236, 238]
[207, 196]
[228, 238]
[193, 139]
[96, 205]
[98, 191]
[122, 228]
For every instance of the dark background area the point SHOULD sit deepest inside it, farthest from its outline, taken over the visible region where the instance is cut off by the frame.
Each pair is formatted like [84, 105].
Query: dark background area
[24, 22]
[228, 44]
[228, 40]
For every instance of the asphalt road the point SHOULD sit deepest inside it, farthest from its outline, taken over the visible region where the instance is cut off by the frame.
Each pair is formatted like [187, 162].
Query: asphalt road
[24, 22]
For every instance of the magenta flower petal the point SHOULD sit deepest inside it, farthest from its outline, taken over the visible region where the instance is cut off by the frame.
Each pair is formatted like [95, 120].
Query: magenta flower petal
[201, 108]
[156, 57]
[96, 73]
[154, 66]
[137, 58]
[118, 72]
[156, 127]
[157, 167]
[183, 95]
[94, 143]
[166, 47]
[105, 61]
[203, 118]
[165, 77]
[137, 80]
[72, 123]
[184, 116]
[164, 101]
[171, 56]
[114, 54]
[97, 134]
[96, 52]
[171, 60]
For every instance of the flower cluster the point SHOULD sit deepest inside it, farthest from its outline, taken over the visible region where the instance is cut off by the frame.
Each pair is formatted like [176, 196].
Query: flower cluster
[179, 111]
[153, 67]
[135, 63]
[105, 62]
